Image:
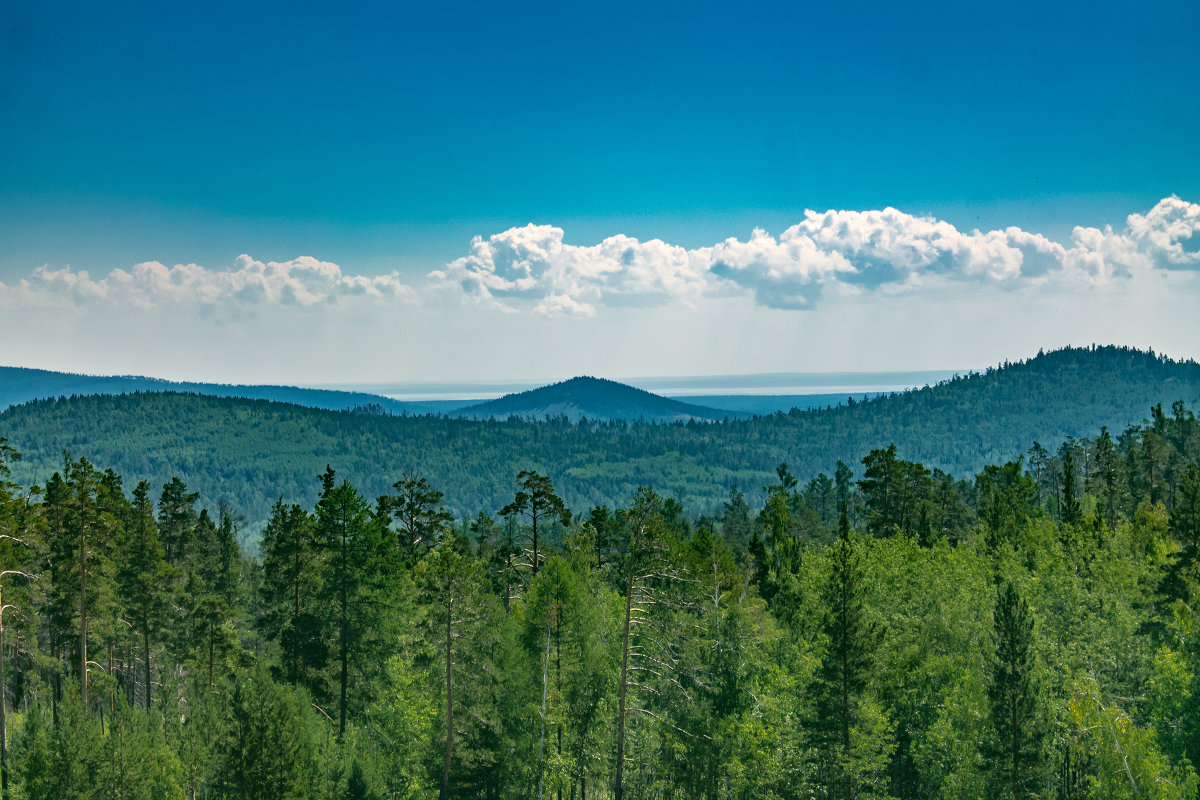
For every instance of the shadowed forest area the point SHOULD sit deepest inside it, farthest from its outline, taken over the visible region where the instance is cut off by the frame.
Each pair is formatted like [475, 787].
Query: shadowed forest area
[886, 631]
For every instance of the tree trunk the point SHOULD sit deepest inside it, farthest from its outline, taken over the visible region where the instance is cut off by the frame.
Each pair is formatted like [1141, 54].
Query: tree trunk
[343, 644]
[847, 785]
[57, 693]
[533, 516]
[211, 637]
[146, 655]
[83, 681]
[131, 671]
[3, 711]
[619, 793]
[558, 679]
[445, 793]
[542, 740]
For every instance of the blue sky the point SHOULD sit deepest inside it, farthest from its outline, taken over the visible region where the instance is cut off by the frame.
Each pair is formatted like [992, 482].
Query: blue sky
[382, 137]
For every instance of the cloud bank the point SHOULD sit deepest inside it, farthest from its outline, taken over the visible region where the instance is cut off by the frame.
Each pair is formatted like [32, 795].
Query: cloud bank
[531, 269]
[301, 282]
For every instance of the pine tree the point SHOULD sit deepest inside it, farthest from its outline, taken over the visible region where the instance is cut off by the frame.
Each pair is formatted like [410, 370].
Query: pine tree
[895, 491]
[845, 668]
[144, 577]
[1007, 500]
[176, 519]
[1069, 510]
[82, 528]
[537, 501]
[19, 538]
[651, 573]
[291, 580]
[842, 477]
[453, 590]
[1183, 575]
[77, 752]
[420, 516]
[1016, 753]
[1107, 480]
[136, 762]
[735, 520]
[35, 767]
[268, 751]
[354, 584]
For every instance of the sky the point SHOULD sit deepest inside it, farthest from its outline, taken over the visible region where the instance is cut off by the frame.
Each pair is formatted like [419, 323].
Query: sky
[357, 192]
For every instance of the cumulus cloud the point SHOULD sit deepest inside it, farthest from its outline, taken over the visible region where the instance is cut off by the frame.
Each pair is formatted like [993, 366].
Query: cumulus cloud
[532, 265]
[531, 268]
[300, 282]
[1170, 232]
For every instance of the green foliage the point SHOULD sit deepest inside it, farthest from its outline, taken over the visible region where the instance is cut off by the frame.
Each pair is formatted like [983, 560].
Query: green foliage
[137, 763]
[654, 654]
[268, 743]
[852, 733]
[249, 453]
[1014, 697]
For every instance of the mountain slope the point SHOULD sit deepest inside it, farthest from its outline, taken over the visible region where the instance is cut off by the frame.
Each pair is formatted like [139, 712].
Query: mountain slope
[21, 384]
[250, 453]
[591, 398]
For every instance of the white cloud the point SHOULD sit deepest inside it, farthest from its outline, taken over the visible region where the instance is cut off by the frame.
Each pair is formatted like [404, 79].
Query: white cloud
[787, 273]
[301, 282]
[1169, 232]
[530, 268]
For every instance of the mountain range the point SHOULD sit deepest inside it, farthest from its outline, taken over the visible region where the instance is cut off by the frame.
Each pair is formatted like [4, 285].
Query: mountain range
[594, 398]
[250, 453]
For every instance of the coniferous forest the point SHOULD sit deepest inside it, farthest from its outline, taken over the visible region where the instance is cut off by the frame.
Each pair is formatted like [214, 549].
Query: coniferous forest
[249, 453]
[884, 631]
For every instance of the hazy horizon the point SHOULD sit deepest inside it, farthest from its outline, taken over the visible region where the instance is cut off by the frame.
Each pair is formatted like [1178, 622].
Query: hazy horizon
[621, 191]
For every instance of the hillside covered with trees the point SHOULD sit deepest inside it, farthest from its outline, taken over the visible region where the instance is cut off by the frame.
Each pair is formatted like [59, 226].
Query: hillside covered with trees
[1027, 632]
[248, 454]
[595, 399]
[21, 384]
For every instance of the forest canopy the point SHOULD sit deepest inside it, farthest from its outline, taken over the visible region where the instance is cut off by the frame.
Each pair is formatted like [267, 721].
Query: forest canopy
[885, 630]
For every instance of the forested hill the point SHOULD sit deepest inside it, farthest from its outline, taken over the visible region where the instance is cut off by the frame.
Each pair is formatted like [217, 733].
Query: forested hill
[249, 453]
[594, 399]
[20, 384]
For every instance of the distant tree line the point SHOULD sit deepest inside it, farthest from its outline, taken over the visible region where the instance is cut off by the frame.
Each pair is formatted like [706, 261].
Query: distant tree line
[248, 453]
